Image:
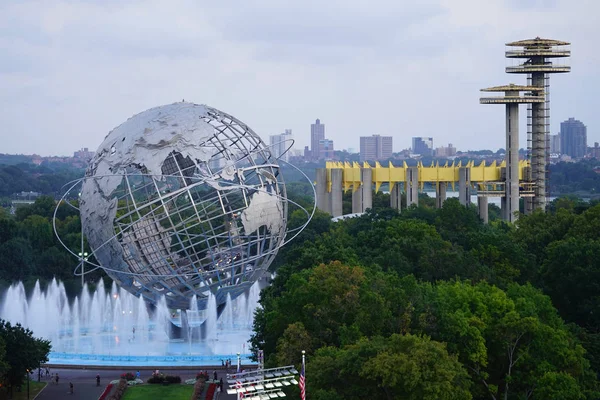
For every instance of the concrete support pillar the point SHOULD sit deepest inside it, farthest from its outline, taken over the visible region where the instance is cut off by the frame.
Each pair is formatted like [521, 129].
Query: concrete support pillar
[336, 192]
[512, 161]
[357, 200]
[440, 194]
[367, 188]
[412, 186]
[396, 197]
[323, 197]
[464, 186]
[528, 201]
[482, 205]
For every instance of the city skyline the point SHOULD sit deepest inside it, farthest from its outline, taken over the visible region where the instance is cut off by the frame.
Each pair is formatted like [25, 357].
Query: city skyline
[71, 72]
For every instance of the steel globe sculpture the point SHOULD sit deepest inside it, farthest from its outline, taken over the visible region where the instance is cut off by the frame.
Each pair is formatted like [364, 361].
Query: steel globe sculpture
[184, 200]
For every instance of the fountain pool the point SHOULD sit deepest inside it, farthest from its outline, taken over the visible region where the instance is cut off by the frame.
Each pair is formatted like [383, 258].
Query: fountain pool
[113, 327]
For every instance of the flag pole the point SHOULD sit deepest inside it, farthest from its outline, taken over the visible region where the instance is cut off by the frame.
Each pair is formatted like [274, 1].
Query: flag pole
[303, 377]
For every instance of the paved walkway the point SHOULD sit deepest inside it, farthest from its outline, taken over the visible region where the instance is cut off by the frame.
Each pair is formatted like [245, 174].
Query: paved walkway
[84, 385]
[84, 382]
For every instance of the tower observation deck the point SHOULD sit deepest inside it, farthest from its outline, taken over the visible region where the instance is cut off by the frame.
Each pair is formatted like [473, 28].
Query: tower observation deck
[537, 54]
[512, 98]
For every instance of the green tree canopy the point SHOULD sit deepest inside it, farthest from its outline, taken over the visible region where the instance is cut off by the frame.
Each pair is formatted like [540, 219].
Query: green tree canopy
[26, 352]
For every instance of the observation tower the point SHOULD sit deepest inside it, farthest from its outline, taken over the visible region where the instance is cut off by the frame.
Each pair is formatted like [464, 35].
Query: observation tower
[537, 54]
[512, 98]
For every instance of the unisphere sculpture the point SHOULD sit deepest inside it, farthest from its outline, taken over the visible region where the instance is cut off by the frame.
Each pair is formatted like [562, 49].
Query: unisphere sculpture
[184, 200]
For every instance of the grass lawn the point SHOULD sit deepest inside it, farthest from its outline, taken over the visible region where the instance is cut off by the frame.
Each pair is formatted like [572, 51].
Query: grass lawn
[174, 391]
[34, 389]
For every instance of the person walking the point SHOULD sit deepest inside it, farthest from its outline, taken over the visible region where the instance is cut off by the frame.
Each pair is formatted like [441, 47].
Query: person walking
[56, 378]
[98, 380]
[215, 375]
[71, 387]
[137, 374]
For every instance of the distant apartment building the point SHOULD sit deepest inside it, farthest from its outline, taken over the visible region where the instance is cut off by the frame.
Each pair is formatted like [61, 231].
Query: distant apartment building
[444, 152]
[594, 152]
[279, 145]
[317, 133]
[422, 146]
[375, 148]
[554, 143]
[325, 149]
[573, 138]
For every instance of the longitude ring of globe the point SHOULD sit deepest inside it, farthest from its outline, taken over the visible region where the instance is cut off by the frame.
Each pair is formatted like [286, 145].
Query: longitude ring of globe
[77, 183]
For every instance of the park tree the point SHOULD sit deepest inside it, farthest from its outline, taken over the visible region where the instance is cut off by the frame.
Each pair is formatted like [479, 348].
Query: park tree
[537, 230]
[26, 352]
[571, 276]
[8, 228]
[508, 341]
[397, 367]
[43, 206]
[16, 259]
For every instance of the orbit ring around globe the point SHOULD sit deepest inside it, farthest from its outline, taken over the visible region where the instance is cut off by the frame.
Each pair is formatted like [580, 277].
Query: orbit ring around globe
[183, 200]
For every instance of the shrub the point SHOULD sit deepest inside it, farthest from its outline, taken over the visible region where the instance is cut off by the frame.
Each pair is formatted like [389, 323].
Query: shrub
[173, 379]
[156, 379]
[198, 389]
[128, 376]
[202, 375]
[120, 390]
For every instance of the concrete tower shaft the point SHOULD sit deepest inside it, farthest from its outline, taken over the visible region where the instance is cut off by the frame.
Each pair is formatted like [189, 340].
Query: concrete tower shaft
[537, 53]
[512, 98]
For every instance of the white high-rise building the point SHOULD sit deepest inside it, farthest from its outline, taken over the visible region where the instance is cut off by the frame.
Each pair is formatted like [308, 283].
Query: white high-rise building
[279, 145]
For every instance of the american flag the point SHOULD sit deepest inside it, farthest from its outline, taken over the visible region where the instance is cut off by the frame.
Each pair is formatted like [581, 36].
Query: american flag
[238, 385]
[302, 383]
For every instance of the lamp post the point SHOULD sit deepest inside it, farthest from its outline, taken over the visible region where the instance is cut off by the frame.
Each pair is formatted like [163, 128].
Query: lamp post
[82, 255]
[82, 259]
[28, 384]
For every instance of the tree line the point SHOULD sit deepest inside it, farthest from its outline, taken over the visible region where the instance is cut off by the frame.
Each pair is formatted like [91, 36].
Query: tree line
[30, 250]
[433, 304]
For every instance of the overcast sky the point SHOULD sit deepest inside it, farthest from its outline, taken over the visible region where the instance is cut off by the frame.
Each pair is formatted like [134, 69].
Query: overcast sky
[71, 71]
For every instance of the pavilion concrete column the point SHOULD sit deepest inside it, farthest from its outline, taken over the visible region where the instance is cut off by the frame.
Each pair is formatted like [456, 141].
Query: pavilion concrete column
[482, 205]
[357, 199]
[512, 161]
[367, 188]
[412, 186]
[464, 186]
[396, 197]
[528, 201]
[503, 208]
[336, 192]
[440, 194]
[503, 198]
[323, 198]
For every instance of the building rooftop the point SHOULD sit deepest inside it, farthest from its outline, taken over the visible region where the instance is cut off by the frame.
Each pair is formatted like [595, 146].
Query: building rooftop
[538, 42]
